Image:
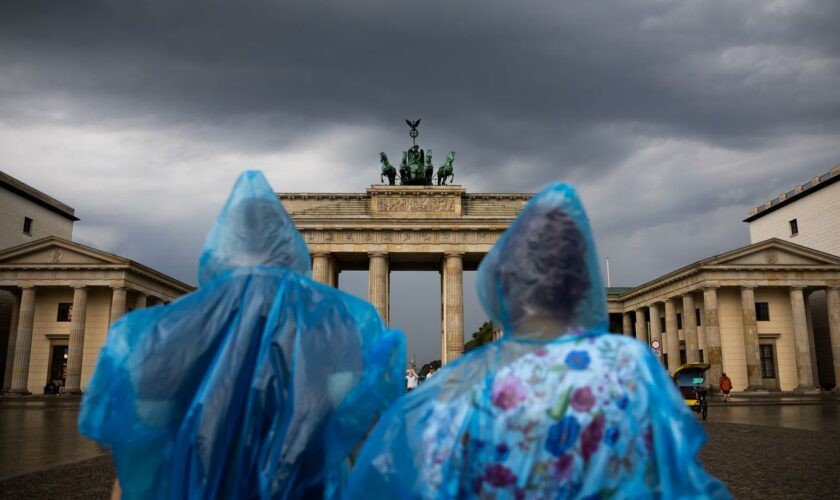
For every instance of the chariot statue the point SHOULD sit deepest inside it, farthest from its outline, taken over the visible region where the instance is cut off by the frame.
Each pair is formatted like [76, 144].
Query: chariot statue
[416, 167]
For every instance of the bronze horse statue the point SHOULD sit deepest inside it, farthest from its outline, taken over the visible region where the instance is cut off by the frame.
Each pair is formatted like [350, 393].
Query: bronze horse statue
[446, 171]
[388, 170]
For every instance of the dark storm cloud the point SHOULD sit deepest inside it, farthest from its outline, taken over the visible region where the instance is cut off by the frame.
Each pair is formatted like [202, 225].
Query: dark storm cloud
[506, 79]
[672, 118]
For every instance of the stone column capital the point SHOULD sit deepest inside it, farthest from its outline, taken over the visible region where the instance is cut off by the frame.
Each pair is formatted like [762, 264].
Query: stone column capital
[799, 288]
[710, 286]
[319, 254]
[454, 254]
[378, 253]
[77, 286]
[116, 287]
[668, 301]
[26, 286]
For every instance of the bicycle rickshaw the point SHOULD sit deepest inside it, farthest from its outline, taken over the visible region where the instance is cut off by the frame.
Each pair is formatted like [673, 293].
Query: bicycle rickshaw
[691, 380]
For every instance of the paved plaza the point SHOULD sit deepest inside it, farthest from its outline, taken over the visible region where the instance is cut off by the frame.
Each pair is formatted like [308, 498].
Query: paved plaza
[761, 448]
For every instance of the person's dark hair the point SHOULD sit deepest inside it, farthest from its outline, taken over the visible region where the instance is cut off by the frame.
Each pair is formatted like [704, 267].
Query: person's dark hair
[546, 265]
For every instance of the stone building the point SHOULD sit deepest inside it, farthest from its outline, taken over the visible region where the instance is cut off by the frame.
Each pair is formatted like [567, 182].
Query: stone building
[743, 311]
[58, 297]
[440, 229]
[769, 313]
[808, 214]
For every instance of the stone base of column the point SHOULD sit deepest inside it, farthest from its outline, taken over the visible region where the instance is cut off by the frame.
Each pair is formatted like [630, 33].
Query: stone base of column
[74, 392]
[756, 388]
[18, 393]
[807, 390]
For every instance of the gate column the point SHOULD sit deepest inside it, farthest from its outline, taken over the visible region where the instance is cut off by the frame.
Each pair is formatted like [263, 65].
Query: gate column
[321, 268]
[453, 306]
[378, 284]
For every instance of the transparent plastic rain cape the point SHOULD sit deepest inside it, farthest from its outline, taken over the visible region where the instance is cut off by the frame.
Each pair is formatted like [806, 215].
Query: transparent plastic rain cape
[258, 384]
[558, 407]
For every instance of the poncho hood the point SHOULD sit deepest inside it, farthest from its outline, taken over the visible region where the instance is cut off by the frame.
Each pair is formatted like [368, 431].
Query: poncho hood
[252, 229]
[545, 263]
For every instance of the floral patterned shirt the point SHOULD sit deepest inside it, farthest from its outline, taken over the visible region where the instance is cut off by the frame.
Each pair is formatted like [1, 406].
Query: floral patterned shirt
[559, 416]
[583, 416]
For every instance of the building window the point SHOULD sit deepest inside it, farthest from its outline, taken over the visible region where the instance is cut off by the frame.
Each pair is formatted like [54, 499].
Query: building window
[65, 311]
[702, 360]
[665, 361]
[661, 324]
[768, 365]
[794, 227]
[679, 321]
[697, 317]
[27, 225]
[683, 357]
[762, 311]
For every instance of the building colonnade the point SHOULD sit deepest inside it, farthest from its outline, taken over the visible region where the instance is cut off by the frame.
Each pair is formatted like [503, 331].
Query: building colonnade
[681, 331]
[26, 307]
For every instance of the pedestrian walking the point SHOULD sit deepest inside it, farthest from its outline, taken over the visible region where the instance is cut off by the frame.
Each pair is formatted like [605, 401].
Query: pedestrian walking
[725, 386]
[259, 384]
[411, 379]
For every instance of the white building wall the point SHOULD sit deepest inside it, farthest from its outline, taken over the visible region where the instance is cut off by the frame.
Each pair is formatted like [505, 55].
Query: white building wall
[96, 330]
[781, 324]
[13, 209]
[817, 215]
[732, 336]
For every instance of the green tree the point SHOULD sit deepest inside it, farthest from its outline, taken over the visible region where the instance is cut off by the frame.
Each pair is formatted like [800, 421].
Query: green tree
[428, 366]
[484, 335]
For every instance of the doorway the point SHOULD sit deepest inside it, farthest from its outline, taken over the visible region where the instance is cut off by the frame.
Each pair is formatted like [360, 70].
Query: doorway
[769, 372]
[58, 365]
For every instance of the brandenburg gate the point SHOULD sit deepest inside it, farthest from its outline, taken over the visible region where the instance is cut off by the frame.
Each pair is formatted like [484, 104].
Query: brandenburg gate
[404, 228]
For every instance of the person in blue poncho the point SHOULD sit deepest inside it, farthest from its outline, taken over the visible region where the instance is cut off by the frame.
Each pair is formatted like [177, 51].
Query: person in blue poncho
[557, 408]
[257, 385]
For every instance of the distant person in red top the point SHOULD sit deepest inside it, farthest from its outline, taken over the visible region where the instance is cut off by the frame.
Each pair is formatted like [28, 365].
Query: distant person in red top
[725, 386]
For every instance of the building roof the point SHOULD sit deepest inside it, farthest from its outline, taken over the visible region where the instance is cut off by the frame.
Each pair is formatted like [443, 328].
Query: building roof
[30, 193]
[57, 254]
[796, 193]
[774, 254]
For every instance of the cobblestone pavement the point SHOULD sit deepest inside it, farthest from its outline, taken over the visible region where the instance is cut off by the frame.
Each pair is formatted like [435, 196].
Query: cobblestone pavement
[772, 462]
[755, 461]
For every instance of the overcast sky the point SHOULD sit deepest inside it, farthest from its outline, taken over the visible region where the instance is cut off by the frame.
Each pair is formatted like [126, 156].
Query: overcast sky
[671, 117]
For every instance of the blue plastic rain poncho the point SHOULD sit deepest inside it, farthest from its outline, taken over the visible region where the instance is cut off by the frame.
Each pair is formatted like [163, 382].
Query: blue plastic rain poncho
[557, 408]
[258, 384]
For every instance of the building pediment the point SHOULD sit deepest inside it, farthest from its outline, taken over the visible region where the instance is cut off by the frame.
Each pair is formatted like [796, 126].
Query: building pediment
[53, 251]
[774, 252]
